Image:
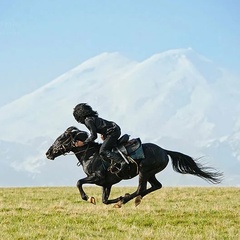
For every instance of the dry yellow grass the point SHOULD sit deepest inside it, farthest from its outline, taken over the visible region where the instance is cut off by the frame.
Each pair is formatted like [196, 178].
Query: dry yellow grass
[169, 213]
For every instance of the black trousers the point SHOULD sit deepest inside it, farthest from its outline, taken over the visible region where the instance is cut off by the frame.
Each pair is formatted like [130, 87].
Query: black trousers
[110, 142]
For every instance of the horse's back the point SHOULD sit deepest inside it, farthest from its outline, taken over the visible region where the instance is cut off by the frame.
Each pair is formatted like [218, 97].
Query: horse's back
[152, 148]
[155, 155]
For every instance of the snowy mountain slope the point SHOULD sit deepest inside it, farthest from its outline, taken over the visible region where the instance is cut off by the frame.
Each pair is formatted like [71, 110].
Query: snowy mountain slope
[177, 99]
[43, 109]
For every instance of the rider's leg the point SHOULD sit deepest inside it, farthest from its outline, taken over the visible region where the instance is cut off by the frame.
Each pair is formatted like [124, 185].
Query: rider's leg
[107, 154]
[118, 162]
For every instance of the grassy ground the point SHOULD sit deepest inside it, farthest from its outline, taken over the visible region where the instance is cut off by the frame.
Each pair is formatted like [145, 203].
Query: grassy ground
[169, 213]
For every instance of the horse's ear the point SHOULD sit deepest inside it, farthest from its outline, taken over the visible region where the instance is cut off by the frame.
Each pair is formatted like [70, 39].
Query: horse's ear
[72, 129]
[81, 135]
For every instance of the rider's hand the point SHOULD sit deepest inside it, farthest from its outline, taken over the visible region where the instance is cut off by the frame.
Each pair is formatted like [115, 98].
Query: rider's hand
[79, 144]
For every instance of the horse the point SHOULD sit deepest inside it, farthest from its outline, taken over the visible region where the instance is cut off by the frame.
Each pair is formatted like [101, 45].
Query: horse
[97, 169]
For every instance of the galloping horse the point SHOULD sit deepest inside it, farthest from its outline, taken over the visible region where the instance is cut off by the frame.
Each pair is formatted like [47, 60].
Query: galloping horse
[154, 161]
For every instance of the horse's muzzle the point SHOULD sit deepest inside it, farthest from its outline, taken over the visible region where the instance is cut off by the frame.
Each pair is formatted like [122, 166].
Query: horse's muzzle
[49, 156]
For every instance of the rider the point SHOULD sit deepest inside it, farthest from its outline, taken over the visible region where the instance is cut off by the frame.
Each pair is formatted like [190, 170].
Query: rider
[109, 130]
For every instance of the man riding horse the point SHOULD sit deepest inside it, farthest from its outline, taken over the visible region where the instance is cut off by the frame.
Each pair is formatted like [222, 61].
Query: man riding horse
[110, 131]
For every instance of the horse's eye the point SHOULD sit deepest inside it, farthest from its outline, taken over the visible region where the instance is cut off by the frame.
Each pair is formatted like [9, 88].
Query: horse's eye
[55, 150]
[66, 135]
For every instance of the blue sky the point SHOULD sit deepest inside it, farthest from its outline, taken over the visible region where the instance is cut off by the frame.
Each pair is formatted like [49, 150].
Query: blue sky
[40, 40]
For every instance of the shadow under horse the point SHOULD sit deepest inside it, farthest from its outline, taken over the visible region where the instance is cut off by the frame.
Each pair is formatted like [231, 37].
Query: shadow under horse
[155, 160]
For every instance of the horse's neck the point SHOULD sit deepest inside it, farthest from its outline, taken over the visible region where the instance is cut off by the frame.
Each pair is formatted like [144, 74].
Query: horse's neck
[88, 151]
[90, 159]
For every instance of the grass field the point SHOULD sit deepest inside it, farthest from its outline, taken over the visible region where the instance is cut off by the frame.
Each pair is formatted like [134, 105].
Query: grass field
[169, 213]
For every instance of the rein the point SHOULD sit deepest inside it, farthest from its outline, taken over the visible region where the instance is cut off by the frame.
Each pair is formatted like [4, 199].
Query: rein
[81, 151]
[64, 151]
[74, 153]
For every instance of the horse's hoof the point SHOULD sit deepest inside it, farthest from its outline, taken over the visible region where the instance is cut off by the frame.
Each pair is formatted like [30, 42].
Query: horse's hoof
[92, 200]
[138, 200]
[118, 204]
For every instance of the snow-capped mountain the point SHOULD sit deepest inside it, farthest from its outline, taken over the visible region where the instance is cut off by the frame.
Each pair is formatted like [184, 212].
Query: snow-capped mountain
[176, 99]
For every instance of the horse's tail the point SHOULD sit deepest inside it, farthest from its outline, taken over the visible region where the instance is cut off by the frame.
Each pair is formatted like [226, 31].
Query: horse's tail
[186, 165]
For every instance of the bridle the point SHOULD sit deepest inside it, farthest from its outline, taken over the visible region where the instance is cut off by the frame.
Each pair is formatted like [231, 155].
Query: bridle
[64, 151]
[61, 147]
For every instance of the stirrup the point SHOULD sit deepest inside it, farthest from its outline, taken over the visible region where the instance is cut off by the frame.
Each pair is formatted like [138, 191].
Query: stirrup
[114, 169]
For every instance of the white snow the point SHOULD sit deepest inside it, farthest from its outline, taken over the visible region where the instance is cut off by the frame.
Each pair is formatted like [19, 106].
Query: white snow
[177, 99]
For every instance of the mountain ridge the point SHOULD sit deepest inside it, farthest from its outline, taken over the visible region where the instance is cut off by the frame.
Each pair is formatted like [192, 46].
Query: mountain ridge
[177, 98]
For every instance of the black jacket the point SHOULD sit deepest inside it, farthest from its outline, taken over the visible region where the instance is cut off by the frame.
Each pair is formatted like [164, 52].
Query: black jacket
[98, 125]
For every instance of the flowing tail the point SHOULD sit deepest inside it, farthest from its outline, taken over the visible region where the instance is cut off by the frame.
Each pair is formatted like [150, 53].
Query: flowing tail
[186, 165]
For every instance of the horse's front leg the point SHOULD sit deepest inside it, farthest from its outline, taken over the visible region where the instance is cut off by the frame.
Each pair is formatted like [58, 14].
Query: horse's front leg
[91, 180]
[105, 195]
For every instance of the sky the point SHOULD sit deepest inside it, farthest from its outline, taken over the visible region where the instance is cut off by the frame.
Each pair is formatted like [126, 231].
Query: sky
[40, 40]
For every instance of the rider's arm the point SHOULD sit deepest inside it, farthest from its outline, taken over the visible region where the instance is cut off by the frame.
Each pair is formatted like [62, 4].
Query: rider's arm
[79, 143]
[90, 124]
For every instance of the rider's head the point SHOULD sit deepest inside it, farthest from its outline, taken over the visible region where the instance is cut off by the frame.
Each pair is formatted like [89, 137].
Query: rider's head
[83, 110]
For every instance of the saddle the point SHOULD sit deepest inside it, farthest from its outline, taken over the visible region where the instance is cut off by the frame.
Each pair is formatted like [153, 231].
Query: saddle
[132, 148]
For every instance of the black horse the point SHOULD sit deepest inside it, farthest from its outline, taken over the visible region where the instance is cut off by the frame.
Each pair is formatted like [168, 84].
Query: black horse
[97, 171]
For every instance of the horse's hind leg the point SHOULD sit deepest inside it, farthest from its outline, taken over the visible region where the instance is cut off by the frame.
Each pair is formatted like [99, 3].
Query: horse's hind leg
[155, 185]
[141, 188]
[142, 191]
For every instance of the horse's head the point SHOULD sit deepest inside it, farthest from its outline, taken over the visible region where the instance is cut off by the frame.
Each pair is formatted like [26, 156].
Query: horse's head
[65, 142]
